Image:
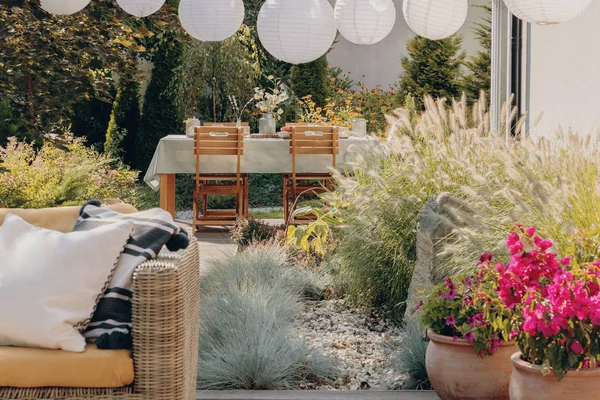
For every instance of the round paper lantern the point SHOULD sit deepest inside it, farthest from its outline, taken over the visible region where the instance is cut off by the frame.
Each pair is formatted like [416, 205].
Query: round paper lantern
[141, 8]
[63, 7]
[546, 12]
[211, 20]
[296, 31]
[435, 19]
[365, 21]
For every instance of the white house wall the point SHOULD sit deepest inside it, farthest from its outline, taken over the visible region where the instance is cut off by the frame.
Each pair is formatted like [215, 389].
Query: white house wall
[565, 74]
[380, 63]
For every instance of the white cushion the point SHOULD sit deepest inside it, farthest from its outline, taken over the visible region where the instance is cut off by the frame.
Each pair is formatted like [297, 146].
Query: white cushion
[50, 282]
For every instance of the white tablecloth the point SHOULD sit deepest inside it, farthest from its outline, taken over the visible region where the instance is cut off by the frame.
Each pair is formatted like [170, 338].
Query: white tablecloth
[175, 155]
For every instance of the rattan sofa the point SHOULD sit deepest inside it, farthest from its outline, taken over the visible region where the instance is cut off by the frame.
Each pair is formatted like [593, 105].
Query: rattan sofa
[166, 304]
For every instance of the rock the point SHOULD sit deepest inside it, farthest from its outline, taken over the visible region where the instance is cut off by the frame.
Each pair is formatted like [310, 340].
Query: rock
[430, 231]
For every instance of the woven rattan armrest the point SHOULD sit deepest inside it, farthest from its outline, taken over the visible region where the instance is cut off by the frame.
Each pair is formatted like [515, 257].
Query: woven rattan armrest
[166, 304]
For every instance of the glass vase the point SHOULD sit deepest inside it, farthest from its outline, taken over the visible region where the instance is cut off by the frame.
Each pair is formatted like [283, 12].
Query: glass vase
[267, 125]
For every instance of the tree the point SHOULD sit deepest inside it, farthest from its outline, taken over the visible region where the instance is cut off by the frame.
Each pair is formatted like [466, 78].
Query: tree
[160, 114]
[432, 67]
[480, 64]
[124, 122]
[210, 72]
[311, 79]
[49, 63]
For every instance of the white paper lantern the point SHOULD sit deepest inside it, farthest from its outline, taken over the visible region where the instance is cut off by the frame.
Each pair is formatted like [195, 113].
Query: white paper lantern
[141, 8]
[64, 7]
[546, 12]
[365, 21]
[435, 19]
[296, 31]
[211, 20]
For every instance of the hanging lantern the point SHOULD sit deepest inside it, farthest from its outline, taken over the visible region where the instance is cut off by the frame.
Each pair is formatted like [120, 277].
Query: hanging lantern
[211, 20]
[141, 8]
[435, 19]
[63, 7]
[546, 12]
[296, 31]
[365, 21]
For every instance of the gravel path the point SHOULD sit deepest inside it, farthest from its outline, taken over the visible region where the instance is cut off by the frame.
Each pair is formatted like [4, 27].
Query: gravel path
[360, 341]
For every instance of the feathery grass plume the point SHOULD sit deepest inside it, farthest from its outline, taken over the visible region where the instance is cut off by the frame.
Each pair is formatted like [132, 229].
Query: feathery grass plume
[250, 301]
[483, 181]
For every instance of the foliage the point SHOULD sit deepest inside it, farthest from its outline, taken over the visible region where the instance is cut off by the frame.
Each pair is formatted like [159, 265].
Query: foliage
[312, 237]
[60, 173]
[345, 105]
[268, 100]
[265, 190]
[467, 307]
[90, 120]
[311, 79]
[212, 71]
[49, 63]
[252, 230]
[125, 118]
[411, 359]
[160, 116]
[8, 123]
[483, 184]
[556, 304]
[480, 64]
[432, 67]
[250, 302]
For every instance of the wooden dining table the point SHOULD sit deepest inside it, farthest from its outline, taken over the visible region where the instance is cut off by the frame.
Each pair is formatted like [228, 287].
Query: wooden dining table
[175, 155]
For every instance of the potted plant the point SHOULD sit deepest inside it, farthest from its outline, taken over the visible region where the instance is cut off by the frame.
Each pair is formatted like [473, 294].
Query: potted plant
[555, 307]
[468, 356]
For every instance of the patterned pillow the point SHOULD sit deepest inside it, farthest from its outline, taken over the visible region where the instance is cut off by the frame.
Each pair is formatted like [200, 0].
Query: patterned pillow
[110, 327]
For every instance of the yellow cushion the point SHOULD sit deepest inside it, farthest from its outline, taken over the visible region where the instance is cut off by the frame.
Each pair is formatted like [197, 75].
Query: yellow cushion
[94, 368]
[61, 219]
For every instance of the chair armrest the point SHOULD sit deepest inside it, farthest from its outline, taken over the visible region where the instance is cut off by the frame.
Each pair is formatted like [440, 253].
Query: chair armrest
[165, 316]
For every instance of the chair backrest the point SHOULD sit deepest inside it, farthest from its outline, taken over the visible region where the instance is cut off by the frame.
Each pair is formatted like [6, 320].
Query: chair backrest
[218, 141]
[314, 140]
[228, 124]
[290, 124]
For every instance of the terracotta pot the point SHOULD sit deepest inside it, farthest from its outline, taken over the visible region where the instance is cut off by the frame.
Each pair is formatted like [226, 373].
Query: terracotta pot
[528, 383]
[458, 373]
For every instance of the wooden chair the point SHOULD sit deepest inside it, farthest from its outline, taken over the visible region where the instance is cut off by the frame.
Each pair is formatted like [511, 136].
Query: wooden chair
[219, 141]
[308, 140]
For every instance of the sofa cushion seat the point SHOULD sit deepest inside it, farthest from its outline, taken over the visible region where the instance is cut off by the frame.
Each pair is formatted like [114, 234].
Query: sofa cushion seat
[61, 219]
[94, 368]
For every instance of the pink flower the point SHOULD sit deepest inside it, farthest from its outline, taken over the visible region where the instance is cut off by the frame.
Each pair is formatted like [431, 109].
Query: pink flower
[566, 261]
[530, 231]
[450, 320]
[470, 337]
[450, 295]
[455, 338]
[419, 305]
[576, 347]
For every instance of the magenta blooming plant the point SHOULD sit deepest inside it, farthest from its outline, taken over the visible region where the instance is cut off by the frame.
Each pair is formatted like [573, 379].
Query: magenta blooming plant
[468, 307]
[555, 304]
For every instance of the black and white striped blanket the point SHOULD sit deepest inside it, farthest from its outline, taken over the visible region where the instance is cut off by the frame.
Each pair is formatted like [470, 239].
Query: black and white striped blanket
[111, 324]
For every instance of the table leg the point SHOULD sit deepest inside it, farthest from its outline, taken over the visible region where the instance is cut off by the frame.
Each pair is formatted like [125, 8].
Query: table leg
[167, 193]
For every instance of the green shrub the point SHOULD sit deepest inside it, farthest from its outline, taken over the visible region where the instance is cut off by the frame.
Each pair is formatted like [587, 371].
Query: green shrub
[63, 172]
[312, 79]
[250, 301]
[252, 230]
[160, 115]
[124, 122]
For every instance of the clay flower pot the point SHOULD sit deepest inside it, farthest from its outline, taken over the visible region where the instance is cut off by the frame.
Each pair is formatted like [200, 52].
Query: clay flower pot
[458, 373]
[528, 383]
